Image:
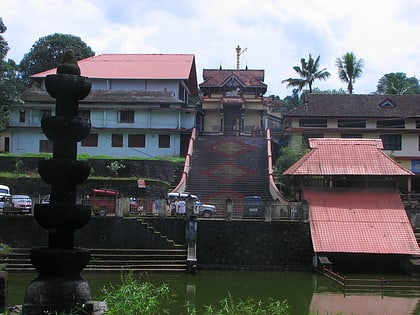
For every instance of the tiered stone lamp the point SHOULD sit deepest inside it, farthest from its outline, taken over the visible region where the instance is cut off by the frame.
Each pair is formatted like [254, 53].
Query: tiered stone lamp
[59, 288]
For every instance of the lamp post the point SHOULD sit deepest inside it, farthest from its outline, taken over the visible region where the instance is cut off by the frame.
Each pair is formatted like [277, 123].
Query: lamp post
[59, 287]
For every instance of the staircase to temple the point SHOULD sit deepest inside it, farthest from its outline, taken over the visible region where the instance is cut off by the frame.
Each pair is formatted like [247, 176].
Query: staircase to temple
[229, 167]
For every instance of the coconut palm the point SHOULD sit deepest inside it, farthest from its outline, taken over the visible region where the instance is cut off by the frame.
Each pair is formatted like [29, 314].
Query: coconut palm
[349, 69]
[308, 72]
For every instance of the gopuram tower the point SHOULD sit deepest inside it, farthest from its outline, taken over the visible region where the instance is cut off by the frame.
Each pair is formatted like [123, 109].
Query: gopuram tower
[59, 288]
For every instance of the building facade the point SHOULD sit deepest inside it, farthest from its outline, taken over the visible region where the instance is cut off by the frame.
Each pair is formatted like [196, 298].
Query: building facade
[233, 102]
[393, 118]
[139, 106]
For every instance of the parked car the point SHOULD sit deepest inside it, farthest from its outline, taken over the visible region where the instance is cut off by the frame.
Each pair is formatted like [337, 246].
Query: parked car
[201, 209]
[253, 206]
[4, 193]
[18, 204]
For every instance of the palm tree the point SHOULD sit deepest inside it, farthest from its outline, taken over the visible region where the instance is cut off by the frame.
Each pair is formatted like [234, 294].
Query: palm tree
[349, 69]
[308, 73]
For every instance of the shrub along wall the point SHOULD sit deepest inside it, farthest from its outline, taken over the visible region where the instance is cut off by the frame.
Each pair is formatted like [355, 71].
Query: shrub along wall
[160, 171]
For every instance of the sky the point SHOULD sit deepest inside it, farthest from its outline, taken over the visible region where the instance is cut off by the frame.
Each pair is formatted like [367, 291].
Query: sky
[273, 34]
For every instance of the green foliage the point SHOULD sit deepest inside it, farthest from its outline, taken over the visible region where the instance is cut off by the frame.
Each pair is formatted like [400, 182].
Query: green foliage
[398, 83]
[115, 167]
[10, 84]
[294, 100]
[47, 53]
[18, 165]
[308, 72]
[5, 250]
[289, 155]
[134, 297]
[349, 69]
[228, 306]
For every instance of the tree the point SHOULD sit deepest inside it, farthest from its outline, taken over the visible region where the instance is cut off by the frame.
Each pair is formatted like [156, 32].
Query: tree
[349, 69]
[10, 84]
[48, 51]
[397, 83]
[308, 72]
[294, 100]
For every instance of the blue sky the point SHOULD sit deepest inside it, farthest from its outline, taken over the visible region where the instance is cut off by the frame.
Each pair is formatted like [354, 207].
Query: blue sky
[275, 33]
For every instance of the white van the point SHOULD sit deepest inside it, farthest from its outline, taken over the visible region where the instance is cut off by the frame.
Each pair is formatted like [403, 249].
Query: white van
[4, 193]
[199, 208]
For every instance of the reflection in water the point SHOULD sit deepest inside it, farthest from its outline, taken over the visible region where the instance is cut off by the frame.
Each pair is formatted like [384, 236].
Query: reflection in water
[363, 304]
[305, 292]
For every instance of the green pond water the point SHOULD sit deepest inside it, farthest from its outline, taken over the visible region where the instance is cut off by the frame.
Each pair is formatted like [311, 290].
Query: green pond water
[305, 292]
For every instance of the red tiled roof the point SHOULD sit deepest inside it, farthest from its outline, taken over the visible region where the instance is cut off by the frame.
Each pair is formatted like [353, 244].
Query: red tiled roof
[360, 222]
[138, 66]
[337, 156]
[219, 77]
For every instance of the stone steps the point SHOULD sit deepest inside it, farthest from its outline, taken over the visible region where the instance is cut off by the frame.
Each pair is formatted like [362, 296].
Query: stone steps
[104, 260]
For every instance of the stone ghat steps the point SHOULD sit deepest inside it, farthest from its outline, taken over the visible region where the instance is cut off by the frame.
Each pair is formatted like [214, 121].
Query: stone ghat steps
[113, 260]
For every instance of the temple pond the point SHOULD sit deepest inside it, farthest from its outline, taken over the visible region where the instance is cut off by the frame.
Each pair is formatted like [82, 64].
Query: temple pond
[305, 292]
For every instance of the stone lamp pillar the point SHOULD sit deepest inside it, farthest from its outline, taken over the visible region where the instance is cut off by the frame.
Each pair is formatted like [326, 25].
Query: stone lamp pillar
[59, 287]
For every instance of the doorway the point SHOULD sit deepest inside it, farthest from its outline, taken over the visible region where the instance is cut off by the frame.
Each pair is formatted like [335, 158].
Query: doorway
[232, 120]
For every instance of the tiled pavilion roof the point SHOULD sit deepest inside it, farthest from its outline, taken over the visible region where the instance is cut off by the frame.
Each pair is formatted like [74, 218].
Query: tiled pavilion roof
[360, 222]
[337, 156]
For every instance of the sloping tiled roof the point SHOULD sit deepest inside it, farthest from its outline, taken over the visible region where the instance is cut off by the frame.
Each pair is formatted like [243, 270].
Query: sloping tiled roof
[360, 222]
[137, 66]
[108, 96]
[218, 77]
[358, 106]
[338, 156]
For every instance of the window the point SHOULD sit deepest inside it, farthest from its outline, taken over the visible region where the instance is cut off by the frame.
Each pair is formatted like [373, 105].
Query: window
[313, 123]
[351, 135]
[126, 116]
[350, 123]
[136, 141]
[45, 146]
[391, 142]
[84, 113]
[164, 141]
[22, 116]
[390, 123]
[90, 141]
[117, 140]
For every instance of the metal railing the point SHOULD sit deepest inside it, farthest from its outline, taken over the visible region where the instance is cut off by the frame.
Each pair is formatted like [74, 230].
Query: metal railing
[379, 284]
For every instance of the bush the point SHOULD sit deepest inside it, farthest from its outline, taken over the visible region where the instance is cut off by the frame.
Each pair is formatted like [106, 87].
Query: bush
[228, 306]
[134, 297]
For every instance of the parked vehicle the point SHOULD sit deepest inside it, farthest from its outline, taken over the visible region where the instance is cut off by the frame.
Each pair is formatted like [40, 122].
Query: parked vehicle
[135, 205]
[200, 209]
[4, 193]
[102, 201]
[253, 206]
[17, 204]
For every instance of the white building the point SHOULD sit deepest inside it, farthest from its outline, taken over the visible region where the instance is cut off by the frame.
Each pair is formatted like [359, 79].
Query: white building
[140, 105]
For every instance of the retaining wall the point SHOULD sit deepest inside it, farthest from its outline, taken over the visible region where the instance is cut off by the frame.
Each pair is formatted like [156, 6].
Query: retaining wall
[278, 245]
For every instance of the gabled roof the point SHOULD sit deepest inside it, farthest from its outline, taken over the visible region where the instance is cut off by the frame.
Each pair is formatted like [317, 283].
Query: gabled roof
[358, 106]
[360, 222]
[338, 156]
[220, 77]
[138, 66]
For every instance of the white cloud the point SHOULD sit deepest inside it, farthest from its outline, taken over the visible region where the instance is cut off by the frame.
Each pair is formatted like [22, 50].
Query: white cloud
[276, 33]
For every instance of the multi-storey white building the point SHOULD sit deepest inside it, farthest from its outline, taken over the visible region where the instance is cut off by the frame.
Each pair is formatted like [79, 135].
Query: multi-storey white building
[140, 105]
[393, 118]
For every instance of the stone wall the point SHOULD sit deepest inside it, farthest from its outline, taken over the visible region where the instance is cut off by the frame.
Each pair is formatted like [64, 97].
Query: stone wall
[278, 245]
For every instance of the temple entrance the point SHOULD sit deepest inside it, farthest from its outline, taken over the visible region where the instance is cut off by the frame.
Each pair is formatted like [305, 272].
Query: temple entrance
[232, 120]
